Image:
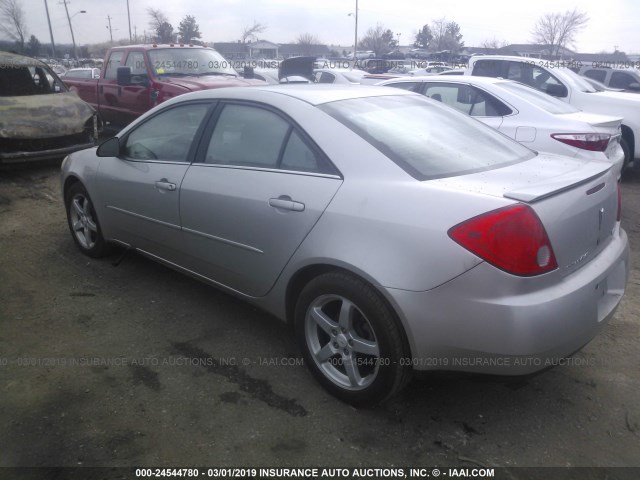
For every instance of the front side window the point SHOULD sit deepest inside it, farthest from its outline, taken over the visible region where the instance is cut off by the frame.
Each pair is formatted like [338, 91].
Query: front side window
[135, 60]
[167, 136]
[426, 139]
[112, 65]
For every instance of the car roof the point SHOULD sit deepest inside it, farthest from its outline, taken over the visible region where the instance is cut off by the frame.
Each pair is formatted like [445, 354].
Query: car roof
[314, 94]
[155, 46]
[13, 59]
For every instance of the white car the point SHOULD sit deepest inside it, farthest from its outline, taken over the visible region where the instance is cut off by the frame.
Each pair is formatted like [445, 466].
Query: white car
[559, 81]
[534, 119]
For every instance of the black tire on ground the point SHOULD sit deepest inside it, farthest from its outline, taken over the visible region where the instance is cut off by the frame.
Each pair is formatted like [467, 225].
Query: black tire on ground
[351, 340]
[83, 222]
[627, 153]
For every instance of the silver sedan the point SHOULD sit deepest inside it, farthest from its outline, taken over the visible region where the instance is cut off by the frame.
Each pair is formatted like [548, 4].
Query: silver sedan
[393, 232]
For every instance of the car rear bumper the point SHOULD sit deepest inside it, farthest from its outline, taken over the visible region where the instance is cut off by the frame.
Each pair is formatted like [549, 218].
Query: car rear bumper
[491, 322]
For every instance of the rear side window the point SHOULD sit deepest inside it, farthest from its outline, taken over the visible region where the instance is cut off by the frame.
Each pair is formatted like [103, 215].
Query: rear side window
[467, 99]
[426, 139]
[621, 80]
[249, 136]
[411, 86]
[598, 75]
[489, 68]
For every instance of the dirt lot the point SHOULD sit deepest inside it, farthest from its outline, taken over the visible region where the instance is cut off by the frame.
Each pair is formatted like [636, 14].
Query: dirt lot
[99, 367]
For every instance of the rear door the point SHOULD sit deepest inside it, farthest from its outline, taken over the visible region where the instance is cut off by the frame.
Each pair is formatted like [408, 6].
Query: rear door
[257, 188]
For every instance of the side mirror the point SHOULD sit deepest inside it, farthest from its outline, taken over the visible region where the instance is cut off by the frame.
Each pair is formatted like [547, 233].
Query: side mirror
[248, 72]
[123, 76]
[557, 90]
[109, 148]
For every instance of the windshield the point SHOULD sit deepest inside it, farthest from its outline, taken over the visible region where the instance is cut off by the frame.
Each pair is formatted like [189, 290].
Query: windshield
[189, 61]
[542, 100]
[425, 138]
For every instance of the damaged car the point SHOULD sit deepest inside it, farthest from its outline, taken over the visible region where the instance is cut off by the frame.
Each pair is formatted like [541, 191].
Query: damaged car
[39, 118]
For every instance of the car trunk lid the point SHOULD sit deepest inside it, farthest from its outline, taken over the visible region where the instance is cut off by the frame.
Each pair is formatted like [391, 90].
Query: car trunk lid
[575, 200]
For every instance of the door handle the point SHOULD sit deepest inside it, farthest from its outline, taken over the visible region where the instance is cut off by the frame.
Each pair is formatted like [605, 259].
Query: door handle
[285, 203]
[164, 184]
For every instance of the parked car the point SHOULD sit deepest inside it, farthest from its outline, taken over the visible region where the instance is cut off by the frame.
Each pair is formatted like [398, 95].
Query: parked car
[322, 204]
[536, 120]
[270, 76]
[40, 119]
[304, 67]
[435, 70]
[361, 55]
[625, 79]
[568, 87]
[81, 73]
[135, 78]
[418, 53]
[454, 71]
[394, 55]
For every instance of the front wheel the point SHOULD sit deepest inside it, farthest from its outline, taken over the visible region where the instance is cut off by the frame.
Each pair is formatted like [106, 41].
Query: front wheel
[350, 339]
[83, 222]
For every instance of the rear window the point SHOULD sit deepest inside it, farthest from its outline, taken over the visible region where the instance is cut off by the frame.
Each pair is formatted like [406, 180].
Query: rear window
[426, 139]
[546, 102]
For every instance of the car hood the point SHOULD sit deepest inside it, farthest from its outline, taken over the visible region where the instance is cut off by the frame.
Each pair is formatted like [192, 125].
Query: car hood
[211, 81]
[43, 116]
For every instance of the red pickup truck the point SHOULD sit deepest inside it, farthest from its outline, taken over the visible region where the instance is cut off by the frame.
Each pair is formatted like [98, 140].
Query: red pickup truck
[136, 78]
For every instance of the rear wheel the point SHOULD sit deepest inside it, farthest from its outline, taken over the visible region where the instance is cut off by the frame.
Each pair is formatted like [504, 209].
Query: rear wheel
[83, 222]
[350, 339]
[627, 153]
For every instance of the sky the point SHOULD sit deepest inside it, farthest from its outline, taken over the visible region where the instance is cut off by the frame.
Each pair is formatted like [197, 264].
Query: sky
[612, 23]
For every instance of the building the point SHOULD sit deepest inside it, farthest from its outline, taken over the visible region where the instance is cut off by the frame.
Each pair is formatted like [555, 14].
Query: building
[263, 49]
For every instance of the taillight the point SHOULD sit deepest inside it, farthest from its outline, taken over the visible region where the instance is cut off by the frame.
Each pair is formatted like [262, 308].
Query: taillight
[619, 214]
[510, 238]
[595, 142]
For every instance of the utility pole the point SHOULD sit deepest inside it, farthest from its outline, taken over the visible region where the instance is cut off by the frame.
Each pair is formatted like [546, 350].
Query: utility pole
[53, 45]
[135, 34]
[129, 18]
[109, 27]
[73, 39]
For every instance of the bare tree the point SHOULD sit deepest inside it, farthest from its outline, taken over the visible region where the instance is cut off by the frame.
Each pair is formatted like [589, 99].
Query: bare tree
[156, 18]
[557, 30]
[13, 21]
[307, 42]
[446, 35]
[159, 23]
[249, 32]
[493, 43]
[378, 39]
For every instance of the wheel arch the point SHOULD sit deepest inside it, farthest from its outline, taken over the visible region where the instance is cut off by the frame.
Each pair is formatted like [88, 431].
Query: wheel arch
[304, 275]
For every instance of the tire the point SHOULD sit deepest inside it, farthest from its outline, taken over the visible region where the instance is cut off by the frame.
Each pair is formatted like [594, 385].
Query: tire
[83, 222]
[627, 153]
[340, 318]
